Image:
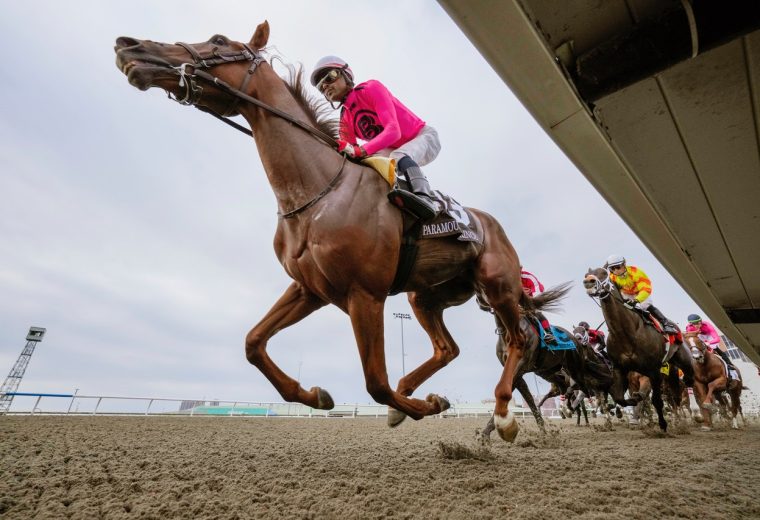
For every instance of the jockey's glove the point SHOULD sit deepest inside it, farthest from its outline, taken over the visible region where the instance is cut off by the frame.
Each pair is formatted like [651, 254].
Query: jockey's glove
[352, 150]
[633, 305]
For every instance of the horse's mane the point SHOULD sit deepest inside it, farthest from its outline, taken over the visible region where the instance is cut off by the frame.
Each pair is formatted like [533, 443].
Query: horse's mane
[319, 111]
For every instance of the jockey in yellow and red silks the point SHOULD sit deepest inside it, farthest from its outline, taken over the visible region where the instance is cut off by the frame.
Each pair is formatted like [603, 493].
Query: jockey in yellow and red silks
[636, 289]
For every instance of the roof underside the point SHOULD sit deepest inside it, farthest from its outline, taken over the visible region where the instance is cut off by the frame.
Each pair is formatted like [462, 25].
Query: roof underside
[674, 146]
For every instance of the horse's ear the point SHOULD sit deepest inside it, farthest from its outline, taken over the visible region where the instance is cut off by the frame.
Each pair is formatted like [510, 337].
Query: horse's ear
[261, 36]
[589, 271]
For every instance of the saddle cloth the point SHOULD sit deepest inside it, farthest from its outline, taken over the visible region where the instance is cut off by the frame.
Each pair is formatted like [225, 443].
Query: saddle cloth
[564, 342]
[730, 373]
[454, 219]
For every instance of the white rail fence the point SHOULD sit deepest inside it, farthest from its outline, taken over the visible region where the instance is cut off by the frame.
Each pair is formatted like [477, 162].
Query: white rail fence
[73, 404]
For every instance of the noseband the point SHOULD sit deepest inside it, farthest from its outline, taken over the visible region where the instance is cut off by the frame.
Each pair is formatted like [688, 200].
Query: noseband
[602, 289]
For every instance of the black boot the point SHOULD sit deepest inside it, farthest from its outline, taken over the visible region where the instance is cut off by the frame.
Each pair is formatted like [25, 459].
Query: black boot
[667, 325]
[420, 201]
[724, 357]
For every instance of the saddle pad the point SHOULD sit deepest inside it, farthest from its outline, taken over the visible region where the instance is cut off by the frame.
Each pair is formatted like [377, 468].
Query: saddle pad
[564, 342]
[454, 219]
[385, 166]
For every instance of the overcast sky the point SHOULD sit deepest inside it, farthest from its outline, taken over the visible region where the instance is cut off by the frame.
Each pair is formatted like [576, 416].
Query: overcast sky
[139, 232]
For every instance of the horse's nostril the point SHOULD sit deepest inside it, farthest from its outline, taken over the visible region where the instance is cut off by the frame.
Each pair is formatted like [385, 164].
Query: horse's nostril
[126, 41]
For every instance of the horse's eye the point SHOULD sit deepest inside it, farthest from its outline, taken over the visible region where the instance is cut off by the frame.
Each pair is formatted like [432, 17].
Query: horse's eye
[219, 40]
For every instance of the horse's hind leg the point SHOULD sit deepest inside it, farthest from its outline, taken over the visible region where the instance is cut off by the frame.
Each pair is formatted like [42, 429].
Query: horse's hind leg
[294, 305]
[366, 312]
[445, 349]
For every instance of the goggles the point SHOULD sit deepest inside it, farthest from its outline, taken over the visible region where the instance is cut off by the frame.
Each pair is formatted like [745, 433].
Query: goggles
[695, 322]
[331, 77]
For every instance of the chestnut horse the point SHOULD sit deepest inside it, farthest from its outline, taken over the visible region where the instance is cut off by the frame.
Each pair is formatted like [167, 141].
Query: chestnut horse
[711, 378]
[634, 345]
[338, 237]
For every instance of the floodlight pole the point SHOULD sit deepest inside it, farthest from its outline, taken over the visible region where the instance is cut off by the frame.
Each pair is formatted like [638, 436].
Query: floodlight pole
[402, 316]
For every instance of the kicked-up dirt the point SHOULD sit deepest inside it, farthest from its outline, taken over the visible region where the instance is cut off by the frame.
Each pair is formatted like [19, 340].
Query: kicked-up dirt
[226, 468]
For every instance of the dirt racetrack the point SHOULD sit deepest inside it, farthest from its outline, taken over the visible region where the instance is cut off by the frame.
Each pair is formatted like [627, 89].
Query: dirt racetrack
[195, 467]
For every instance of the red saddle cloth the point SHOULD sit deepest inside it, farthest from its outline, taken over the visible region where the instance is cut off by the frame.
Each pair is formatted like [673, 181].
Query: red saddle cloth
[672, 338]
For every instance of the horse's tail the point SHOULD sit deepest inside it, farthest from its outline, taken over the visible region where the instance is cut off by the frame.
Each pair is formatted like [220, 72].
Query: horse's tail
[548, 300]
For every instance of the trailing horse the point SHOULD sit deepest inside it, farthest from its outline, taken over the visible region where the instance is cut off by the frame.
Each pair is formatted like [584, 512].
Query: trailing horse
[711, 378]
[636, 345]
[595, 373]
[338, 237]
[553, 365]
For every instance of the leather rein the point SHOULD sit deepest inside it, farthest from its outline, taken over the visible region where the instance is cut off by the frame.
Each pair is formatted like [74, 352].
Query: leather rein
[193, 93]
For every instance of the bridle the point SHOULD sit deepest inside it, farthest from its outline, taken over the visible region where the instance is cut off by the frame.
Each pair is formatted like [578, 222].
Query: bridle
[602, 288]
[696, 353]
[194, 92]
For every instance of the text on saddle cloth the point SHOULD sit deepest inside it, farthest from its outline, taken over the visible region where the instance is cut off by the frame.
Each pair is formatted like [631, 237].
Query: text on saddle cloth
[454, 219]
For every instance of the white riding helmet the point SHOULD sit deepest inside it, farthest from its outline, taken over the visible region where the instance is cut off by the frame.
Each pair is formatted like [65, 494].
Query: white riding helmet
[614, 260]
[331, 62]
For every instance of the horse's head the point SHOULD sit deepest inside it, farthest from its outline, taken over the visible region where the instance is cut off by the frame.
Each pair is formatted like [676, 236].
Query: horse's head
[597, 283]
[176, 68]
[696, 345]
[581, 334]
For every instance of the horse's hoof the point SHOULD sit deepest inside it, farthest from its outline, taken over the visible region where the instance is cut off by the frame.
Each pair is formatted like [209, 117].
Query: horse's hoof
[324, 400]
[506, 426]
[443, 403]
[705, 429]
[395, 417]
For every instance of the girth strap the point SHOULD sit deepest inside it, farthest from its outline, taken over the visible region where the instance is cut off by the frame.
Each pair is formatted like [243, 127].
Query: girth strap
[406, 259]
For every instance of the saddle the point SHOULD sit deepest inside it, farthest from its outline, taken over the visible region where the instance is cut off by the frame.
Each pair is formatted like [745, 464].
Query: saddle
[454, 220]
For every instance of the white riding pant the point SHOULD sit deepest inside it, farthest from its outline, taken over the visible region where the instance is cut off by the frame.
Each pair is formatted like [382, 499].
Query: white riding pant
[644, 305]
[423, 149]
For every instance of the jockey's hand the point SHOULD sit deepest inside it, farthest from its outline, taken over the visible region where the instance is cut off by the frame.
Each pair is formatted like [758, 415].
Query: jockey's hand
[351, 150]
[633, 305]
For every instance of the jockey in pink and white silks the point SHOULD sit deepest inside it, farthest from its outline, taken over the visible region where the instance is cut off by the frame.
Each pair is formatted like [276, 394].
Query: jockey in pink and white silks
[371, 114]
[709, 336]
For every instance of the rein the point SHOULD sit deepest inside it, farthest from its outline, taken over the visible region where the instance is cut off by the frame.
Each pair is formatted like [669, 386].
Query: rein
[193, 91]
[293, 213]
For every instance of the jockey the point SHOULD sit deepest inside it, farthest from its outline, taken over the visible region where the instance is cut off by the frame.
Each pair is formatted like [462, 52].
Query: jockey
[708, 335]
[531, 285]
[369, 112]
[595, 338]
[636, 290]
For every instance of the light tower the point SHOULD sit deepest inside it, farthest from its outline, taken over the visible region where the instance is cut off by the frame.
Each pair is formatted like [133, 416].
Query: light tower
[11, 383]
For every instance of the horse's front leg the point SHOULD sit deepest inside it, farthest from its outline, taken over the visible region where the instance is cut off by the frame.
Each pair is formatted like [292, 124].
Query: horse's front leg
[366, 312]
[700, 392]
[294, 305]
[619, 386]
[521, 386]
[713, 386]
[657, 400]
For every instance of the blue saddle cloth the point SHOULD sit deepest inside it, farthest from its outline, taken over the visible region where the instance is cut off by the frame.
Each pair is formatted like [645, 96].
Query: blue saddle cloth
[564, 342]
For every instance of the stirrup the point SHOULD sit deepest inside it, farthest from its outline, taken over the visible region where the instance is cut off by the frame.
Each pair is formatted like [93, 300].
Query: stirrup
[414, 204]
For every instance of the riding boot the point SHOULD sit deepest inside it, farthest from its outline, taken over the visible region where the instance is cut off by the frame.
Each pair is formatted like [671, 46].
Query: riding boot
[420, 201]
[667, 325]
[724, 357]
